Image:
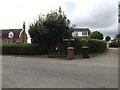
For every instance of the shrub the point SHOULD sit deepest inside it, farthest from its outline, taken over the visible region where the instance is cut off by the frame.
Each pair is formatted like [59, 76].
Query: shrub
[114, 44]
[96, 46]
[23, 49]
[107, 38]
[96, 35]
[77, 44]
[63, 47]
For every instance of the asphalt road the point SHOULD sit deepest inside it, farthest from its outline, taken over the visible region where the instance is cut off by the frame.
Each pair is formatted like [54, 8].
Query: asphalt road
[96, 72]
[0, 72]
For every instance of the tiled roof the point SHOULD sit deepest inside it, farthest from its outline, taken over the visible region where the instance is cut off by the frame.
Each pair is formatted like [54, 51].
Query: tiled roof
[5, 32]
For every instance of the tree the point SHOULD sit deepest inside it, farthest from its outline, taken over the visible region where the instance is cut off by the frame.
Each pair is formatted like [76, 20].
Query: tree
[50, 29]
[108, 38]
[96, 35]
[117, 37]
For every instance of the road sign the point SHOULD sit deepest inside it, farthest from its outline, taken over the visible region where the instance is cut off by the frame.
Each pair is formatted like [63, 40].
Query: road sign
[68, 40]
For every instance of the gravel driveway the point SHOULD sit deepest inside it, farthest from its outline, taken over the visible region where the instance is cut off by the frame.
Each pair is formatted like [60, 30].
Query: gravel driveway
[95, 72]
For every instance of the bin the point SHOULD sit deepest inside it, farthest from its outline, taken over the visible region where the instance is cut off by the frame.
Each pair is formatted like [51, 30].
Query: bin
[70, 54]
[85, 52]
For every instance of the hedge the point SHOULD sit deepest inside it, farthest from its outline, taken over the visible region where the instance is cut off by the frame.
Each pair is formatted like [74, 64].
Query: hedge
[95, 46]
[114, 44]
[78, 44]
[23, 49]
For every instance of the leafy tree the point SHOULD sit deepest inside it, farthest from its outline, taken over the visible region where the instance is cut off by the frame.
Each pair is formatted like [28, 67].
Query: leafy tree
[108, 38]
[117, 37]
[50, 29]
[96, 35]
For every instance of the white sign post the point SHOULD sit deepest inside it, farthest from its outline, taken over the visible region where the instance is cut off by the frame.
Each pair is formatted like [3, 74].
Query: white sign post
[68, 40]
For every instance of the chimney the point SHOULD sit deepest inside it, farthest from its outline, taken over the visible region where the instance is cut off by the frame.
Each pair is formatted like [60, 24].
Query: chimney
[24, 32]
[24, 25]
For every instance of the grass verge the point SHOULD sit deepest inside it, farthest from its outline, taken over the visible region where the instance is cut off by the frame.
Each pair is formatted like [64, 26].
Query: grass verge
[58, 56]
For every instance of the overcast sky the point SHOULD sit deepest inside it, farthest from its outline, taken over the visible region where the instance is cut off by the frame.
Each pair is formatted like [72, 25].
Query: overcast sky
[100, 15]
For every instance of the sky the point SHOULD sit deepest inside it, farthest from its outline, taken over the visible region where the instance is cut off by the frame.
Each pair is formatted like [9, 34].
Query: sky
[97, 15]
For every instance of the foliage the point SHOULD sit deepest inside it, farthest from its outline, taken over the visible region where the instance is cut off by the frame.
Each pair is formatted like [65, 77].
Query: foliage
[77, 45]
[117, 37]
[95, 45]
[23, 49]
[96, 35]
[50, 29]
[107, 38]
[114, 44]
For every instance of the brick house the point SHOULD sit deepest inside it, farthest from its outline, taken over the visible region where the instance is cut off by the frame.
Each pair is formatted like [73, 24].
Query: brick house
[13, 35]
[81, 32]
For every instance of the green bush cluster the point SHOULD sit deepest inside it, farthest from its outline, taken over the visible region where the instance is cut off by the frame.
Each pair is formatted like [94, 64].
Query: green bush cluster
[78, 44]
[23, 49]
[114, 44]
[95, 45]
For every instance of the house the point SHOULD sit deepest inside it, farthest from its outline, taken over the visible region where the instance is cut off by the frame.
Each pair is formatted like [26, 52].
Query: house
[81, 32]
[13, 35]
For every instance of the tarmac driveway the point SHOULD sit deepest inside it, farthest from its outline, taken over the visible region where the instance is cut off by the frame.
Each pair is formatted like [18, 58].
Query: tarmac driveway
[95, 72]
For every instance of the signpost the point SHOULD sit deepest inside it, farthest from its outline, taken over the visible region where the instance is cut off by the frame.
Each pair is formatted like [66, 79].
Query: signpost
[68, 40]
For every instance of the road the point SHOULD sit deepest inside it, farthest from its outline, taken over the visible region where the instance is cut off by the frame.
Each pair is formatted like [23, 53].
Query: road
[0, 72]
[95, 72]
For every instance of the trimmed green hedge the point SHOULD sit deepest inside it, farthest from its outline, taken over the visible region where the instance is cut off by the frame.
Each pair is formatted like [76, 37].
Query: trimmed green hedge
[114, 44]
[78, 44]
[95, 46]
[23, 49]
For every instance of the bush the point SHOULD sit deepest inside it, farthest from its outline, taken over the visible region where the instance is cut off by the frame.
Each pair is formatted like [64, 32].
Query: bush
[63, 47]
[77, 44]
[114, 44]
[96, 35]
[95, 45]
[23, 49]
[107, 38]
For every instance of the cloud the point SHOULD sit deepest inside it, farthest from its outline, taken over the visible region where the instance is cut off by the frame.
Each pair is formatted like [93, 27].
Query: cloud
[95, 14]
[108, 31]
[70, 7]
[101, 16]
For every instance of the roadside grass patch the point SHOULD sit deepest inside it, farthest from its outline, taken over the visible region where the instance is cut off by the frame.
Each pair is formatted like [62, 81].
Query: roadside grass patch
[63, 57]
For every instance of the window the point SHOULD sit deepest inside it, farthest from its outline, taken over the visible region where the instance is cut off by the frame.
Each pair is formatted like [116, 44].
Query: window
[75, 33]
[79, 33]
[10, 34]
[84, 33]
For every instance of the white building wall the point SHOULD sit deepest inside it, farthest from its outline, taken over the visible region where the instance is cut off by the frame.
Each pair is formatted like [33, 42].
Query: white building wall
[75, 34]
[79, 33]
